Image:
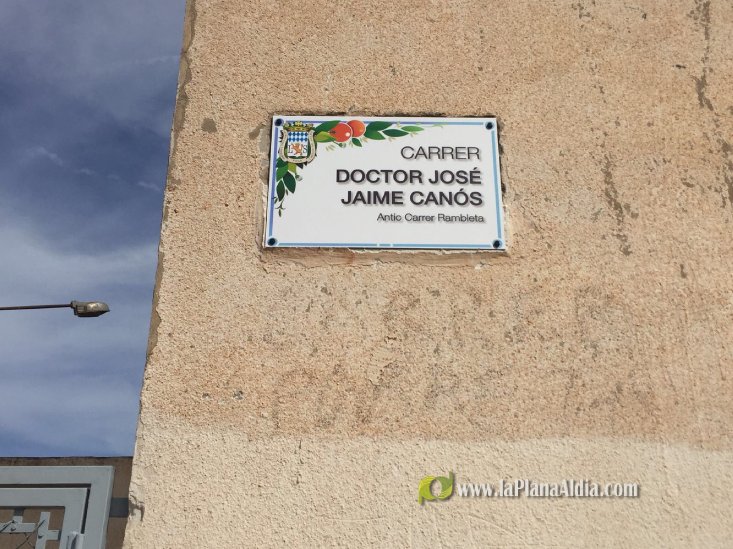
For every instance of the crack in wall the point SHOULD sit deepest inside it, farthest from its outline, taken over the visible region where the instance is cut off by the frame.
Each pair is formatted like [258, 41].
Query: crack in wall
[728, 174]
[611, 194]
[701, 14]
[137, 508]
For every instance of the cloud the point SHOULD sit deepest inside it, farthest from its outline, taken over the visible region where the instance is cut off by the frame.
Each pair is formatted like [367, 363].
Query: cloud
[42, 152]
[149, 186]
[72, 382]
[40, 271]
[156, 60]
[108, 53]
[87, 90]
[70, 414]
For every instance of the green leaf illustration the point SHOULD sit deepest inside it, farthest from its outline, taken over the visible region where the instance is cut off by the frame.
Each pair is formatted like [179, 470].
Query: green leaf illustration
[373, 134]
[395, 133]
[287, 173]
[289, 181]
[326, 126]
[378, 126]
[281, 170]
[323, 137]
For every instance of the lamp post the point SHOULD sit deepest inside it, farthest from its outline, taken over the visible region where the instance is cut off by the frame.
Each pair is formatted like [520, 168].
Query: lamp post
[84, 309]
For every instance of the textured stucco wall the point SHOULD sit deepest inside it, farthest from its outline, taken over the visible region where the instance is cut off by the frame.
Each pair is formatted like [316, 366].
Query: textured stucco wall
[296, 398]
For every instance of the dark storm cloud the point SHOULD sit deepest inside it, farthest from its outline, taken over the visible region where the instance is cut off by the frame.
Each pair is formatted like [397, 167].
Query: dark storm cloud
[86, 97]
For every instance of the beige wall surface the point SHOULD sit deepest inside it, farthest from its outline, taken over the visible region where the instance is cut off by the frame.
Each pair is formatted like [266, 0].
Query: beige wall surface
[296, 398]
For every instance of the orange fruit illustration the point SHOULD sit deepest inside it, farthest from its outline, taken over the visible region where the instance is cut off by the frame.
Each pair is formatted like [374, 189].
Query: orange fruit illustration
[341, 132]
[357, 128]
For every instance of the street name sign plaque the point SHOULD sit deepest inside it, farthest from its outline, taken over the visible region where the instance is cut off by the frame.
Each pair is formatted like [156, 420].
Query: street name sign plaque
[378, 182]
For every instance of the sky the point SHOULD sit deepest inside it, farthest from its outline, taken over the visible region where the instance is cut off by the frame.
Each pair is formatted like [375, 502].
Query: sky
[87, 90]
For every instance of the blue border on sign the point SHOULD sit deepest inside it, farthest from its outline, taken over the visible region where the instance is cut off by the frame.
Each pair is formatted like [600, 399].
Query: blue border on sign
[273, 170]
[497, 189]
[497, 196]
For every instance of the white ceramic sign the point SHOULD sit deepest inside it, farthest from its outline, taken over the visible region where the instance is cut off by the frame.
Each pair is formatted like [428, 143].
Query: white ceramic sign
[376, 182]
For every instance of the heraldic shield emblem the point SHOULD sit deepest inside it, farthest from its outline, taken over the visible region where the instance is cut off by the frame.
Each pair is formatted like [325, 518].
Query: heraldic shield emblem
[296, 144]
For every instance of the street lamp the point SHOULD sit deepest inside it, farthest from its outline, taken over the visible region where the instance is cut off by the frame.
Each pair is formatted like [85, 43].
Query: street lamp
[84, 309]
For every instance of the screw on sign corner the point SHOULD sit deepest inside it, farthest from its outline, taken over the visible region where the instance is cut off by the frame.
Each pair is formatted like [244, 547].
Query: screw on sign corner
[489, 125]
[272, 241]
[279, 122]
[497, 244]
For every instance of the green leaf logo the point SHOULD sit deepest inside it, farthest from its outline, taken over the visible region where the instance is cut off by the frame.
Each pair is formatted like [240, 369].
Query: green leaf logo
[424, 492]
